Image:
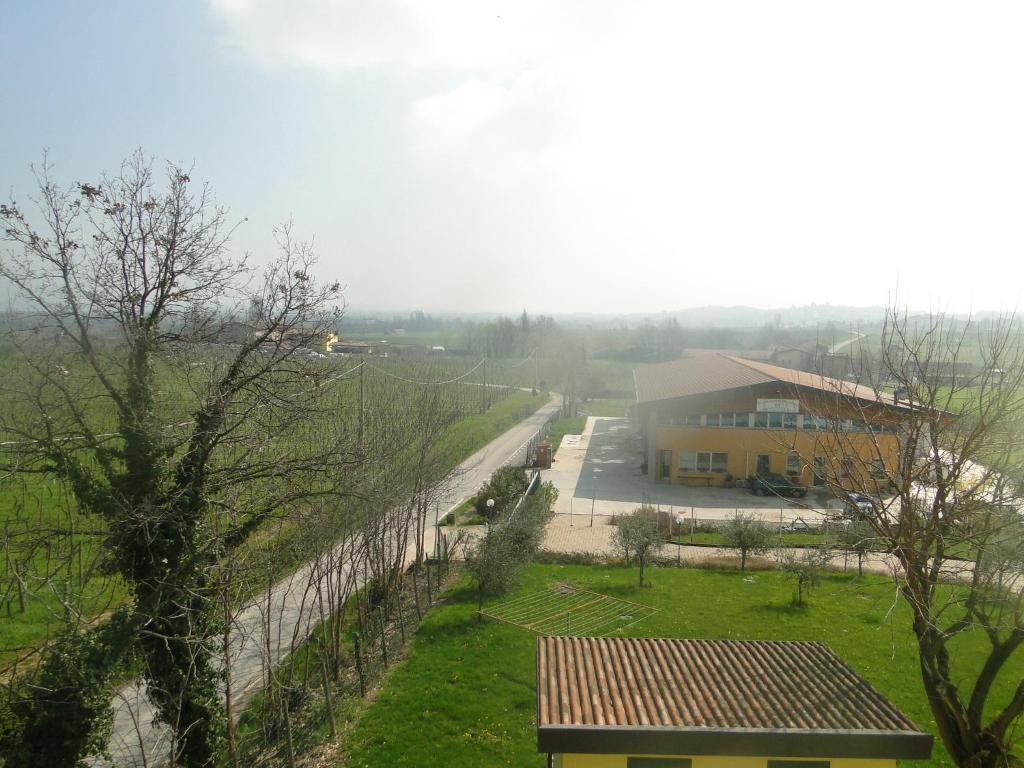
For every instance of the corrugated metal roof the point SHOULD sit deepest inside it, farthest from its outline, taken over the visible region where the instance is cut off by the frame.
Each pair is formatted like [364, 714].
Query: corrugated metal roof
[719, 684]
[703, 374]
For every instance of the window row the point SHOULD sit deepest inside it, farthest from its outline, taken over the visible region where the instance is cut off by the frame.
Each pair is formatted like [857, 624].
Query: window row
[703, 461]
[768, 420]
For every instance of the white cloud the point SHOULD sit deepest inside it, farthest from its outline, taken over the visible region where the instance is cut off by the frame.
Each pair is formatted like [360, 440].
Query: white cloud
[338, 36]
[770, 153]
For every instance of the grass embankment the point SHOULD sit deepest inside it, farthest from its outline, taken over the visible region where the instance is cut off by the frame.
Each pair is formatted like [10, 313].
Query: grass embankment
[466, 695]
[607, 406]
[571, 426]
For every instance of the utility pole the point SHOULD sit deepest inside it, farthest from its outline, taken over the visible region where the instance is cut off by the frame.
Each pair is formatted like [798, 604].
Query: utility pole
[483, 388]
[362, 369]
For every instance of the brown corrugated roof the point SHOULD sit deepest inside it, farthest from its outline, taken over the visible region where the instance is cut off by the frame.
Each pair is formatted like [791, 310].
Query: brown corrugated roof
[703, 374]
[610, 681]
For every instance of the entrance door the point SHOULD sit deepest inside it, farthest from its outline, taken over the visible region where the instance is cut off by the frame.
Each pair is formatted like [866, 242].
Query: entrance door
[664, 465]
[819, 471]
[764, 463]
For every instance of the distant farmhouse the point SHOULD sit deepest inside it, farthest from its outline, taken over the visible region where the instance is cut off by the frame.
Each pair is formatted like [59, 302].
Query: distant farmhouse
[613, 702]
[711, 419]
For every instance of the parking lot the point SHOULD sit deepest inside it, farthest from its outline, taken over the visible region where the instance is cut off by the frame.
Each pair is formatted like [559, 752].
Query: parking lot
[598, 475]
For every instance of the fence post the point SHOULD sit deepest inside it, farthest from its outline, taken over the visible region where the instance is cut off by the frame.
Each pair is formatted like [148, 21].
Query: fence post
[691, 525]
[593, 501]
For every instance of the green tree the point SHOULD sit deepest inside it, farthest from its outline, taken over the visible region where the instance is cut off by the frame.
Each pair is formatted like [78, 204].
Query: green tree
[639, 535]
[805, 566]
[748, 535]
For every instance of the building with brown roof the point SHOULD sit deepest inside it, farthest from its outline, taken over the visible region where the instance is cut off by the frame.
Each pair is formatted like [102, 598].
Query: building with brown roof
[612, 702]
[712, 419]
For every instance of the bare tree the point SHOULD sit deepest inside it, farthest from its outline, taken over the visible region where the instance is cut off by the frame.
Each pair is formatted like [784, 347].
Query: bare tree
[945, 473]
[153, 428]
[857, 537]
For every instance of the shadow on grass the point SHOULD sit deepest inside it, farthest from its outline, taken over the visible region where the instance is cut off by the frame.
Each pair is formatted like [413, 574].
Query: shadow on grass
[784, 609]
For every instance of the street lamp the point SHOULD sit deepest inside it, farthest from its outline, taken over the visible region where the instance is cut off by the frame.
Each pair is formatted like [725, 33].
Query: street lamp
[490, 511]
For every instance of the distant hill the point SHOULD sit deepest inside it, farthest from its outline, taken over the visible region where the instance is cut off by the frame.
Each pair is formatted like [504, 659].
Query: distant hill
[742, 316]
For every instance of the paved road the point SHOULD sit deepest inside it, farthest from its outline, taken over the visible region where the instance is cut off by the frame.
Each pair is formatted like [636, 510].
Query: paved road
[290, 613]
[854, 337]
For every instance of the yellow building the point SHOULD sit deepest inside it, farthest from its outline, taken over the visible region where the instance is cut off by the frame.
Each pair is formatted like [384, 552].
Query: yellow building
[712, 419]
[615, 702]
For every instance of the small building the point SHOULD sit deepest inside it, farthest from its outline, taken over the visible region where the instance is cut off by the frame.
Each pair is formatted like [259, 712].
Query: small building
[343, 347]
[711, 419]
[613, 702]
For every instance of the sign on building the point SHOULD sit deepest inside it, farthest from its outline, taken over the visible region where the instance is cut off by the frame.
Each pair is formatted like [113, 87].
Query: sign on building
[773, 405]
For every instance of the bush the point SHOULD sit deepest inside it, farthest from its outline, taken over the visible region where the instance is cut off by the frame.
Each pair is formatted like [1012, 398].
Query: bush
[506, 485]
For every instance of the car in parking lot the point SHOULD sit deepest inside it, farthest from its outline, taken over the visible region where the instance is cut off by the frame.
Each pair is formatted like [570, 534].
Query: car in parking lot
[858, 506]
[769, 483]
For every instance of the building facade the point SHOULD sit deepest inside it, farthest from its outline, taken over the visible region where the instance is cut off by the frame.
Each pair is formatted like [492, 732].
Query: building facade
[714, 419]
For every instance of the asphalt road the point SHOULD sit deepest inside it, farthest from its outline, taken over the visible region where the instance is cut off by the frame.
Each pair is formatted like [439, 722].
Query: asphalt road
[264, 630]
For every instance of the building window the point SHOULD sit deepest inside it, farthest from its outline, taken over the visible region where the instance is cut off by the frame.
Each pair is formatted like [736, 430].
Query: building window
[660, 762]
[741, 419]
[789, 421]
[693, 421]
[711, 420]
[878, 469]
[798, 764]
[809, 422]
[793, 464]
[703, 461]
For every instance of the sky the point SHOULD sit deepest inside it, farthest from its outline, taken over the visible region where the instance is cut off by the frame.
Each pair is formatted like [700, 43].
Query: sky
[588, 156]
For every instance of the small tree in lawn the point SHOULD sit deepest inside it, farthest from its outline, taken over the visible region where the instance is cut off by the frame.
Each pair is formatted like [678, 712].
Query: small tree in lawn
[805, 566]
[856, 537]
[638, 534]
[493, 566]
[747, 534]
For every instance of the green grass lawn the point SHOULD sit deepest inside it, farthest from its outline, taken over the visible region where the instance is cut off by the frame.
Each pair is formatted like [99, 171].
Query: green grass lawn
[712, 538]
[607, 406]
[466, 694]
[571, 426]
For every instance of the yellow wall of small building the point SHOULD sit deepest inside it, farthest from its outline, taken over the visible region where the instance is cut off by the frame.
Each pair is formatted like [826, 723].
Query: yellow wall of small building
[744, 445]
[619, 761]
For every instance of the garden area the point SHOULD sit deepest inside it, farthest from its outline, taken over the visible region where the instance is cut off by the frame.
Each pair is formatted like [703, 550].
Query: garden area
[466, 695]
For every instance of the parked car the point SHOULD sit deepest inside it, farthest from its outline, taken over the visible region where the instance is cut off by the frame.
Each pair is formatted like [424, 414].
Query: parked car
[766, 483]
[858, 506]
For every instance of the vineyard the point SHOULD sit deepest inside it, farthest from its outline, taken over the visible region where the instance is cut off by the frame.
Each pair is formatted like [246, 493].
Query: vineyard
[52, 554]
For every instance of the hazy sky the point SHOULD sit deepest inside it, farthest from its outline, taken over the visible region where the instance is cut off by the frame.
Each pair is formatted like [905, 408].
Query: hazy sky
[574, 156]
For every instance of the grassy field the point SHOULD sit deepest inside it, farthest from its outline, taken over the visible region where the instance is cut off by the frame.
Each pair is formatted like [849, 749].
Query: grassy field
[571, 426]
[67, 556]
[607, 406]
[466, 694]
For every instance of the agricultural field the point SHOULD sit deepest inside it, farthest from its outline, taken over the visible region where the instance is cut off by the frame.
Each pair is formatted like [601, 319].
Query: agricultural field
[466, 694]
[51, 554]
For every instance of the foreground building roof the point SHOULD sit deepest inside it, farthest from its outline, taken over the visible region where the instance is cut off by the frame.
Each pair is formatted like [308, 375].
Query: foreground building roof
[713, 697]
[703, 374]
